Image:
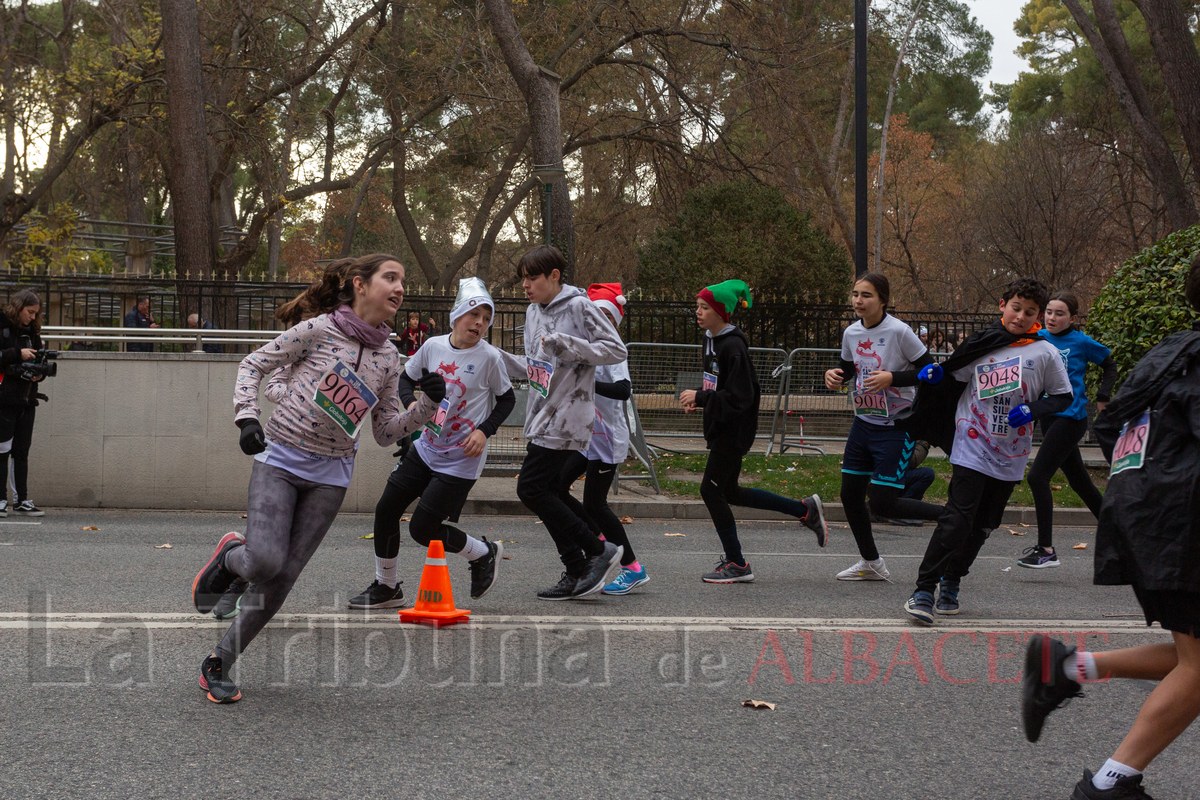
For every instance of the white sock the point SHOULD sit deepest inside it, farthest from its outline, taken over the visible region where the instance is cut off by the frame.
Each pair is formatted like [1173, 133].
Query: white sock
[1108, 775]
[385, 571]
[474, 549]
[1080, 666]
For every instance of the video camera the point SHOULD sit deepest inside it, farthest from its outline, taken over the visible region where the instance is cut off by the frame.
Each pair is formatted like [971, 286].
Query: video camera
[42, 364]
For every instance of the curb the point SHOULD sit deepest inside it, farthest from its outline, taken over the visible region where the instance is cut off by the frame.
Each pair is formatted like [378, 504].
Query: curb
[694, 509]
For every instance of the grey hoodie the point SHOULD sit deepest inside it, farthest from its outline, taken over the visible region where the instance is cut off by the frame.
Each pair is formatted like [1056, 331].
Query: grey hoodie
[574, 337]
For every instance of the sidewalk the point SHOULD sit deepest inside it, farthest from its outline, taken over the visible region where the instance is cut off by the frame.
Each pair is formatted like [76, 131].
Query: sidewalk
[498, 495]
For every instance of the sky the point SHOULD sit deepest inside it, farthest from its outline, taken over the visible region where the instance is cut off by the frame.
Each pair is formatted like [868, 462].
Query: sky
[998, 17]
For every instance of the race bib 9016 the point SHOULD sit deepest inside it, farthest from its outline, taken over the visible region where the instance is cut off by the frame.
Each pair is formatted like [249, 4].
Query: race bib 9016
[343, 396]
[539, 374]
[1130, 450]
[868, 403]
[1000, 377]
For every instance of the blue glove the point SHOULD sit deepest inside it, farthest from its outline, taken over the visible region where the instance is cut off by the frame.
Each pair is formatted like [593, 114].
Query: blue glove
[930, 373]
[1021, 415]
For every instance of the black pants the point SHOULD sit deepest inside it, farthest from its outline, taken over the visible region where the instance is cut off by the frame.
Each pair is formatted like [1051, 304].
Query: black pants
[594, 510]
[16, 423]
[442, 498]
[719, 489]
[974, 507]
[537, 486]
[1060, 450]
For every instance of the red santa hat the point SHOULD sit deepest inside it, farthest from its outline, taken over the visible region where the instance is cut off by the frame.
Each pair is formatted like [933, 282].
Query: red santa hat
[609, 298]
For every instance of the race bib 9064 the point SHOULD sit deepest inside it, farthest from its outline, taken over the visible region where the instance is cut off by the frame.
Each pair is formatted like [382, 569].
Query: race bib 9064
[344, 397]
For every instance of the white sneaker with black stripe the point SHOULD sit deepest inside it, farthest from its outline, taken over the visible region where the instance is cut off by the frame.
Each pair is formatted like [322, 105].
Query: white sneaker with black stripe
[26, 508]
[3, 508]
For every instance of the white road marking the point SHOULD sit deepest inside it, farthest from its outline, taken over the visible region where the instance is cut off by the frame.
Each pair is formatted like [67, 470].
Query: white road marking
[384, 619]
[17, 522]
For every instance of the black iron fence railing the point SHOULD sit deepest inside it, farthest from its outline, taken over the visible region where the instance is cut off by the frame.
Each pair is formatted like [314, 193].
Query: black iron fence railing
[92, 301]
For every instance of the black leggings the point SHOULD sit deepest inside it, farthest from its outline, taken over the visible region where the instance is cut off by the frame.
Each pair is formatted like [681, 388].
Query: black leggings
[594, 509]
[1060, 450]
[886, 501]
[442, 498]
[17, 422]
[719, 489]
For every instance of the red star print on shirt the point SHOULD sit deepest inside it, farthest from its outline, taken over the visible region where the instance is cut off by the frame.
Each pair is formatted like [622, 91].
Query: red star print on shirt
[447, 369]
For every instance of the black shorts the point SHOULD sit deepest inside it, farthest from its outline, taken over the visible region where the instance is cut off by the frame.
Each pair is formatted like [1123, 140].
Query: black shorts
[1174, 611]
[442, 495]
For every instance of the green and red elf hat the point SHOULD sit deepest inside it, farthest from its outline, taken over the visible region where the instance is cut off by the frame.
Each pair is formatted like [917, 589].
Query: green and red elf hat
[726, 297]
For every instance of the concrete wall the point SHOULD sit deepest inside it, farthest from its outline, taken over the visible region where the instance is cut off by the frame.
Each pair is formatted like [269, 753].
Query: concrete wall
[151, 430]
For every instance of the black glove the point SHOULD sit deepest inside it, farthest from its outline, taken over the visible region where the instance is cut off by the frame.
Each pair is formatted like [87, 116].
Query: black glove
[252, 441]
[433, 385]
[403, 447]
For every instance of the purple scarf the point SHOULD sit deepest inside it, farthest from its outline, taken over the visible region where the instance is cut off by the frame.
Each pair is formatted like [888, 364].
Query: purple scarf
[353, 326]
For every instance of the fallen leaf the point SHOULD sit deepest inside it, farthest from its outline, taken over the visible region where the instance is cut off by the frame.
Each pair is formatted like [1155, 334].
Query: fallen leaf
[368, 536]
[1007, 569]
[674, 534]
[243, 516]
[507, 558]
[1016, 533]
[1080, 546]
[404, 519]
[1023, 524]
[626, 520]
[162, 547]
[91, 528]
[758, 704]
[1055, 488]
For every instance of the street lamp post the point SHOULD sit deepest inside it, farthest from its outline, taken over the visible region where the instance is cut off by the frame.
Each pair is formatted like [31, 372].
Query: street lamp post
[548, 175]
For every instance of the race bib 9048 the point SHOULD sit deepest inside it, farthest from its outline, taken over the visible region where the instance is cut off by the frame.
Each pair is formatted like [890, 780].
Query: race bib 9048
[1000, 377]
[343, 396]
[868, 403]
[1130, 450]
[539, 374]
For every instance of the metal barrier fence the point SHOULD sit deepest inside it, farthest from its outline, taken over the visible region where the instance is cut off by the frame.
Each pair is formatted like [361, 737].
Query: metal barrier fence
[659, 372]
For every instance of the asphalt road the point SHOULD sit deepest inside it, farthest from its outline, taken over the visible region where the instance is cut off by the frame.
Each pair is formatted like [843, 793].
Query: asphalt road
[636, 696]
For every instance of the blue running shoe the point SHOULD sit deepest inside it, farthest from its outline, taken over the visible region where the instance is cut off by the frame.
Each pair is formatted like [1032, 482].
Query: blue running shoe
[920, 606]
[947, 602]
[626, 581]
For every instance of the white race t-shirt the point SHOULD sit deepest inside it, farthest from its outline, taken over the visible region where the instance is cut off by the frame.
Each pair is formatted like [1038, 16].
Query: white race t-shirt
[890, 346]
[983, 440]
[610, 433]
[474, 378]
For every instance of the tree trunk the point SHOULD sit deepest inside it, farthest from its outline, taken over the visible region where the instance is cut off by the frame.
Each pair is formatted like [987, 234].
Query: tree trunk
[352, 214]
[540, 88]
[887, 121]
[275, 226]
[1179, 63]
[1116, 61]
[189, 177]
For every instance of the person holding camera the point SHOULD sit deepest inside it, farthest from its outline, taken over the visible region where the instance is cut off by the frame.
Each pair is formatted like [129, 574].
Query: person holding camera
[20, 345]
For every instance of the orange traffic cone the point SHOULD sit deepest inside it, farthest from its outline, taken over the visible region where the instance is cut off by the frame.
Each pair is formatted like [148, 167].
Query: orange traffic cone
[435, 598]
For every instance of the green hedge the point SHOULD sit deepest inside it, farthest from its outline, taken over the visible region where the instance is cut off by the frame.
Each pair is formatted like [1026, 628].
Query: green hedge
[1143, 302]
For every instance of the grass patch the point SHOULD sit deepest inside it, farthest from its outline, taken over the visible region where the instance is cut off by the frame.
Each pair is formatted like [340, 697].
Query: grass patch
[799, 476]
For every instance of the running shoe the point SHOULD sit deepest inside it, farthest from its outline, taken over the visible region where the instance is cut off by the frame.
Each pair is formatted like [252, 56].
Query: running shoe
[213, 579]
[729, 572]
[863, 571]
[213, 680]
[1127, 788]
[379, 595]
[231, 602]
[563, 590]
[1038, 557]
[484, 568]
[595, 575]
[814, 520]
[26, 508]
[3, 508]
[947, 601]
[626, 581]
[1046, 687]
[920, 606]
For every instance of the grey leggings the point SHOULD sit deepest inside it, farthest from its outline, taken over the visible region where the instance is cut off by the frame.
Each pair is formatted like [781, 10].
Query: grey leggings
[286, 519]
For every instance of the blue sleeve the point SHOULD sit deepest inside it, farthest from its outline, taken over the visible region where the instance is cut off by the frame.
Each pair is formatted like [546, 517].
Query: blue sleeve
[1096, 352]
